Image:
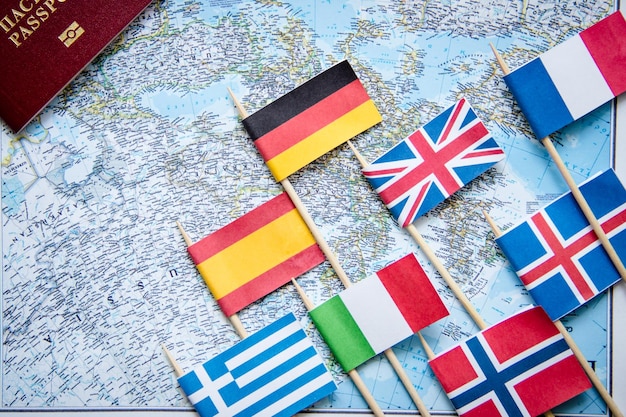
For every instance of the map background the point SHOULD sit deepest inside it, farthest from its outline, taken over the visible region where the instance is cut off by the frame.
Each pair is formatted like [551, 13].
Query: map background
[192, 173]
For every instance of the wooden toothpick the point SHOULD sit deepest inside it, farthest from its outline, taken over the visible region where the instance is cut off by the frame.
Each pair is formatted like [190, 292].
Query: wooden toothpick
[242, 111]
[573, 346]
[341, 274]
[234, 319]
[177, 369]
[429, 352]
[188, 241]
[445, 274]
[501, 63]
[578, 196]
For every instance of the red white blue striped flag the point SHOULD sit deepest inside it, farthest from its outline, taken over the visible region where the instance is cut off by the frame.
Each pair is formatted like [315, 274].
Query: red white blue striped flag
[573, 78]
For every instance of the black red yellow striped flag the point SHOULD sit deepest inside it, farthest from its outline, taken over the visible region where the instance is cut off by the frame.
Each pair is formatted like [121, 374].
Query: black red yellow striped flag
[312, 120]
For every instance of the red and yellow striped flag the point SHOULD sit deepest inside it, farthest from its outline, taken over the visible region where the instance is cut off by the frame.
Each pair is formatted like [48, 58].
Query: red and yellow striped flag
[256, 254]
[312, 120]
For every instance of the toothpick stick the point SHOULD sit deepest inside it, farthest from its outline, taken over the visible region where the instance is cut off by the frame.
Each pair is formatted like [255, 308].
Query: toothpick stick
[304, 213]
[242, 111]
[572, 344]
[317, 235]
[177, 369]
[343, 277]
[234, 319]
[404, 378]
[593, 377]
[445, 274]
[434, 259]
[578, 196]
[334, 262]
[188, 241]
[429, 352]
[501, 63]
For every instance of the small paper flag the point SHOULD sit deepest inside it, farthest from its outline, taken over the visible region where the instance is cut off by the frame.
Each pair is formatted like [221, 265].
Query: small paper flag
[573, 78]
[433, 163]
[256, 254]
[519, 367]
[556, 253]
[378, 312]
[274, 372]
[311, 120]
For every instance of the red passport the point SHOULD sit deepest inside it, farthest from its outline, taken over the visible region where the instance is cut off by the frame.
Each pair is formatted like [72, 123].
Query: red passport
[44, 44]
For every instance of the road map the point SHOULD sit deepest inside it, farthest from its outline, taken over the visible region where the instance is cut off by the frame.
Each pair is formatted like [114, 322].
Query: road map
[96, 276]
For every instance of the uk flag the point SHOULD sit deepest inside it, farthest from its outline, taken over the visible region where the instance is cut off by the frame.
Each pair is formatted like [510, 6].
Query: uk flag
[519, 367]
[433, 163]
[558, 256]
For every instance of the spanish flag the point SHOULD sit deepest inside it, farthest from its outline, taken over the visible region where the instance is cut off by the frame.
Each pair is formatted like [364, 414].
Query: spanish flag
[256, 254]
[312, 120]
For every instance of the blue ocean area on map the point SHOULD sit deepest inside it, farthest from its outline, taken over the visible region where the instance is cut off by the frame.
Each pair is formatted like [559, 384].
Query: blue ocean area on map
[96, 276]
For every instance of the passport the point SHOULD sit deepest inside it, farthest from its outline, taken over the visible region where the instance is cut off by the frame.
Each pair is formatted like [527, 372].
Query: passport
[45, 44]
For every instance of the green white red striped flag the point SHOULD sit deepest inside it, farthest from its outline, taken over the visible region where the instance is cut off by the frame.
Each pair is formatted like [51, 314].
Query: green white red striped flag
[378, 312]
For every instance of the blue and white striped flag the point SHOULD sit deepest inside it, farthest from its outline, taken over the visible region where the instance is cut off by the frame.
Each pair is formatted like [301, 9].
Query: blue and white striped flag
[274, 372]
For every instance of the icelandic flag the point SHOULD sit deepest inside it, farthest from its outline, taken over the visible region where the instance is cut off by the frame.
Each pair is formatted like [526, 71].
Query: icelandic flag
[274, 372]
[519, 367]
[433, 163]
[573, 78]
[556, 253]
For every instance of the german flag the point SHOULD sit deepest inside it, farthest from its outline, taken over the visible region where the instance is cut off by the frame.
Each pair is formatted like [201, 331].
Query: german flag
[311, 120]
[256, 254]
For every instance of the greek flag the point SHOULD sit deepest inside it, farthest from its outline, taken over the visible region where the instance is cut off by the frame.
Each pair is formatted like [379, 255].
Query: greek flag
[274, 372]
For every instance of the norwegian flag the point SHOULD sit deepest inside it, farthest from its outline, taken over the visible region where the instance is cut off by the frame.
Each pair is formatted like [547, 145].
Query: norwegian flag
[433, 163]
[558, 256]
[521, 366]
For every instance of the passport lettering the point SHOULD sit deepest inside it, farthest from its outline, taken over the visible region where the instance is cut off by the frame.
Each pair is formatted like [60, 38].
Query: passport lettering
[27, 17]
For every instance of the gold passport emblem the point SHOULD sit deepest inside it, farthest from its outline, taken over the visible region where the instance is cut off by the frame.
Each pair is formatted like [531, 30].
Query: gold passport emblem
[70, 34]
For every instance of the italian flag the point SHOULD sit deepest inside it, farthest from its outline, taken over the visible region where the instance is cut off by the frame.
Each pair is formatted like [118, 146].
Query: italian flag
[378, 312]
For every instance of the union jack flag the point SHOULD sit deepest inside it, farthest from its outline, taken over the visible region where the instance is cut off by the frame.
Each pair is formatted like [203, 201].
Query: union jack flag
[519, 367]
[433, 163]
[558, 256]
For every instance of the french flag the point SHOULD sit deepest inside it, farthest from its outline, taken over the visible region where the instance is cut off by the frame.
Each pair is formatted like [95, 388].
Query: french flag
[573, 78]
